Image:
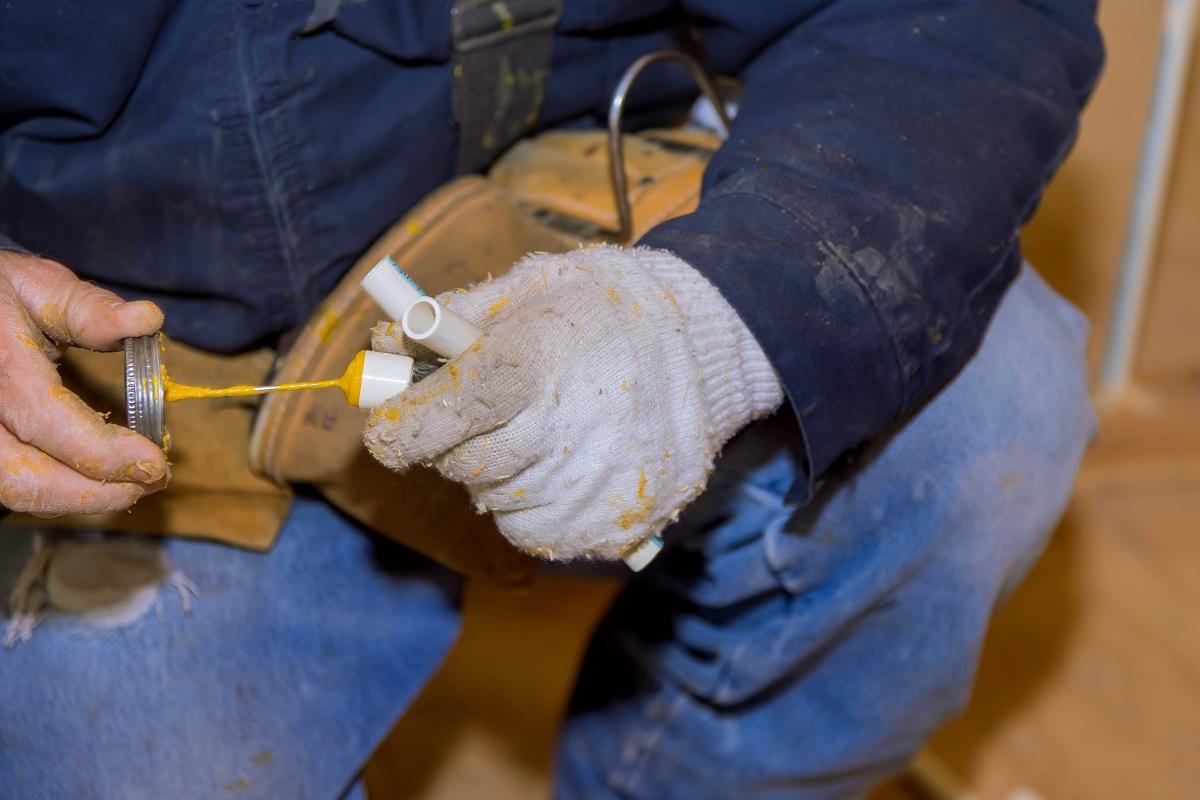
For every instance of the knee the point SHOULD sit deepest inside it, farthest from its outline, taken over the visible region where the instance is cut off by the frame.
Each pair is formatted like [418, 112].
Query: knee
[1023, 417]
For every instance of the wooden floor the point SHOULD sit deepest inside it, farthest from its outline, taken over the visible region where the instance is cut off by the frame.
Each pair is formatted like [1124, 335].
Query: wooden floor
[1090, 684]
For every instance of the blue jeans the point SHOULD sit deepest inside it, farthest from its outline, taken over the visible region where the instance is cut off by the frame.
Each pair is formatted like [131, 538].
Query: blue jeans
[770, 651]
[289, 670]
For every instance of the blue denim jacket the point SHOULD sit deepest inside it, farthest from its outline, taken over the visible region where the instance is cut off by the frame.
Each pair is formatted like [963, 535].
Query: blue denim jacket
[229, 161]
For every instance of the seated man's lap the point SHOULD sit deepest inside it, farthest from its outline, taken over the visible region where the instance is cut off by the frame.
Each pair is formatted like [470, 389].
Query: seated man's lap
[809, 652]
[287, 672]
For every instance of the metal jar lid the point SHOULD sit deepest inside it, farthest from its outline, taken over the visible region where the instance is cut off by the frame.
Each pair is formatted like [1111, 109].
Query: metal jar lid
[144, 399]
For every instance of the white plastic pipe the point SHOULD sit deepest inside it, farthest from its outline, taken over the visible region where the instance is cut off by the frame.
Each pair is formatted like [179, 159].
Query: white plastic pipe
[1146, 213]
[440, 329]
[640, 557]
[391, 288]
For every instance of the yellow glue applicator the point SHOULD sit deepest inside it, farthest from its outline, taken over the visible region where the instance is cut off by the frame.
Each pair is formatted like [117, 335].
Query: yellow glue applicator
[369, 380]
[372, 377]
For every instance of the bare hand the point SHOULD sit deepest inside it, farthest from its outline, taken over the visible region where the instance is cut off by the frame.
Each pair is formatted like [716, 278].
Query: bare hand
[57, 455]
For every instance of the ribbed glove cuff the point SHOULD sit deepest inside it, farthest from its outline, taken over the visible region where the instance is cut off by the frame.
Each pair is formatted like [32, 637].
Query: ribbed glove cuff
[734, 374]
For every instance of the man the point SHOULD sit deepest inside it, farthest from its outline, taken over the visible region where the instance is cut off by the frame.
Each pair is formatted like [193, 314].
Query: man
[820, 606]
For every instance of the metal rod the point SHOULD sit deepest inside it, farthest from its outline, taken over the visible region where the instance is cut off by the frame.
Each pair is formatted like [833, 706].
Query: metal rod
[1147, 208]
[616, 108]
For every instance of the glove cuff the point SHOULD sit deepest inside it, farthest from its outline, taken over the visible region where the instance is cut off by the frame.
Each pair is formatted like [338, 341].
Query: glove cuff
[735, 376]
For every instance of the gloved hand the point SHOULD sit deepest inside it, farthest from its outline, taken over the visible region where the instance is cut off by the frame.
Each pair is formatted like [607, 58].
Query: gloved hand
[56, 454]
[590, 412]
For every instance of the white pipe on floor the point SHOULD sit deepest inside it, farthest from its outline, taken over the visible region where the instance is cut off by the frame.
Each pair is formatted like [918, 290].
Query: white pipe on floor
[1146, 212]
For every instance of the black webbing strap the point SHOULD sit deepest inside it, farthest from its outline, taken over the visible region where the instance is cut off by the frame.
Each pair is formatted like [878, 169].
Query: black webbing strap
[502, 55]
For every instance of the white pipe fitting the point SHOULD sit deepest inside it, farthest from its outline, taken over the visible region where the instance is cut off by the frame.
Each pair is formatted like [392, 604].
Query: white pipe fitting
[640, 557]
[440, 329]
[384, 376]
[391, 288]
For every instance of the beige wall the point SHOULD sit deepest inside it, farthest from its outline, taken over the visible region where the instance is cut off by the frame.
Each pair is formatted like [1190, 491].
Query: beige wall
[1076, 237]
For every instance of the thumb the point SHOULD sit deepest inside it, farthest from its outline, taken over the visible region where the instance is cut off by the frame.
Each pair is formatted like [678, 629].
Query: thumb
[73, 311]
[470, 396]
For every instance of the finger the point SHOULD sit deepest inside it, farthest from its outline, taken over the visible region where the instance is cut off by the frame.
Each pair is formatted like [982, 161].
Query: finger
[33, 482]
[565, 477]
[73, 311]
[388, 337]
[489, 301]
[473, 394]
[37, 409]
[31, 338]
[485, 459]
[529, 488]
[501, 455]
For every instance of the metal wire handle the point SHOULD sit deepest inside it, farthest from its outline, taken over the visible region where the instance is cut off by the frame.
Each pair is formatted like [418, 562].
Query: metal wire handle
[616, 109]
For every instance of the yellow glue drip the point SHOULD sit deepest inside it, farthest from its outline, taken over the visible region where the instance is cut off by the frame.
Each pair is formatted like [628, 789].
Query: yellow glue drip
[349, 382]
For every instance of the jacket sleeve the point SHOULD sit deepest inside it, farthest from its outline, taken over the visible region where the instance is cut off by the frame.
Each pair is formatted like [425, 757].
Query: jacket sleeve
[864, 215]
[7, 244]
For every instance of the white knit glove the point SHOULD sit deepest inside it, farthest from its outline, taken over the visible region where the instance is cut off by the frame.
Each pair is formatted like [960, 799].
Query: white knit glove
[590, 412]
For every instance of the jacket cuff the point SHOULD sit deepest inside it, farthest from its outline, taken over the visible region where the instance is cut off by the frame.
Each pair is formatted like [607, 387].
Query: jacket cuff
[833, 353]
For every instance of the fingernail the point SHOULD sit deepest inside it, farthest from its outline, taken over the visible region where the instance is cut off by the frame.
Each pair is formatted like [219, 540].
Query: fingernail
[149, 313]
[158, 486]
[146, 471]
